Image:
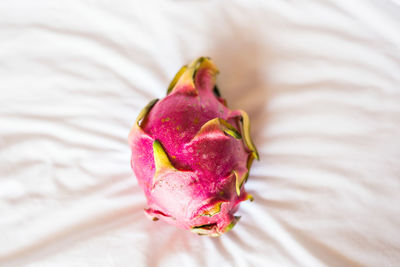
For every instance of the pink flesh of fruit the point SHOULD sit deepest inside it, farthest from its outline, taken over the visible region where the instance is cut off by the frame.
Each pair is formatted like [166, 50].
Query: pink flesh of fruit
[192, 155]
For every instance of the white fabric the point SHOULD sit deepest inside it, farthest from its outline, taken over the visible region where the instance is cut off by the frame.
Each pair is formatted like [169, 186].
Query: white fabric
[319, 79]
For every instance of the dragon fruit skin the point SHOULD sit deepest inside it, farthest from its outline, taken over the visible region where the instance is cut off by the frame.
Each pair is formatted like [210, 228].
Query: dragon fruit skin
[191, 154]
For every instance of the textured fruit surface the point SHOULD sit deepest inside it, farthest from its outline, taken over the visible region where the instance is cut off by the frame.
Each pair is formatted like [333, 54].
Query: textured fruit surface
[191, 154]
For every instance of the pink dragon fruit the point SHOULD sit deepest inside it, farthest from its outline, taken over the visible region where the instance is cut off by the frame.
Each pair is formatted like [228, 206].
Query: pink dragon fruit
[192, 155]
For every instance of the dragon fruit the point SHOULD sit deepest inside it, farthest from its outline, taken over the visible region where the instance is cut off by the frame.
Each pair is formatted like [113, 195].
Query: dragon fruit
[191, 154]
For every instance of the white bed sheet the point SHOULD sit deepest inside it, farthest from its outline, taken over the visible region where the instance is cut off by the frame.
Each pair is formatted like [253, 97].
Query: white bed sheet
[320, 80]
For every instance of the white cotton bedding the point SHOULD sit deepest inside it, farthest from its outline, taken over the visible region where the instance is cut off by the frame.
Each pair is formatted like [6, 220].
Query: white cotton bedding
[319, 79]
